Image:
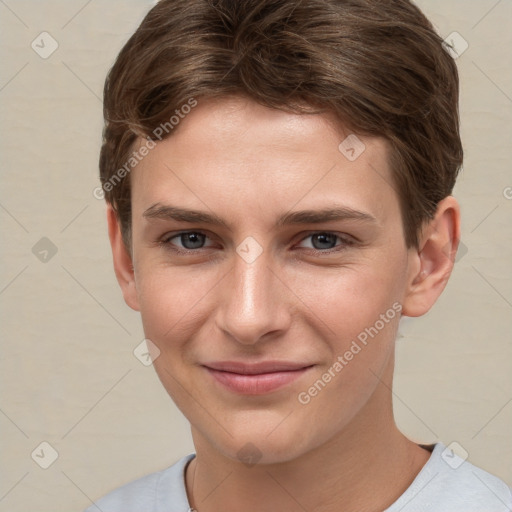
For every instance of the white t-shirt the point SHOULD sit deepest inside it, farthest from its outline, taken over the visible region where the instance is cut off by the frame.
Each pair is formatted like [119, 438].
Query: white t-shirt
[446, 483]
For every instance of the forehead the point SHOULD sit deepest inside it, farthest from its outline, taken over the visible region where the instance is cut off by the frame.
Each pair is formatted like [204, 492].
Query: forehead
[231, 152]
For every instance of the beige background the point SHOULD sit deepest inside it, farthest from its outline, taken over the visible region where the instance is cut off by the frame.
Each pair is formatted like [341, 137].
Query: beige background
[68, 373]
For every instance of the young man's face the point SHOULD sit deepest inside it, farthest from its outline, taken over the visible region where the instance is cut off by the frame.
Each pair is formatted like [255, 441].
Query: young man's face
[261, 288]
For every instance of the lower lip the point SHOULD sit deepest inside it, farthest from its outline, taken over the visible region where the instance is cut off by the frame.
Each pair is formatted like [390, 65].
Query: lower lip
[256, 384]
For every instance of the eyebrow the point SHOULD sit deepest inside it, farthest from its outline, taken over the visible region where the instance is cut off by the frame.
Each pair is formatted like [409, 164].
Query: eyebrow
[169, 212]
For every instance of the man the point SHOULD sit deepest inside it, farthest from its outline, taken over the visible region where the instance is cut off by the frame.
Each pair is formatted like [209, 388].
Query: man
[278, 177]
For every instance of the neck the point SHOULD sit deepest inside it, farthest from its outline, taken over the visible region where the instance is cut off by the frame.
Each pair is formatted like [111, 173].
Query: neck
[366, 467]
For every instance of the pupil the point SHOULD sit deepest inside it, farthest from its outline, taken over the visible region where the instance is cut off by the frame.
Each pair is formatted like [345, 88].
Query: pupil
[326, 241]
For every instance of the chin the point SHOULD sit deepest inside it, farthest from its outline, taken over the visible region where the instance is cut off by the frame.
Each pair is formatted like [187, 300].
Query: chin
[257, 450]
[266, 439]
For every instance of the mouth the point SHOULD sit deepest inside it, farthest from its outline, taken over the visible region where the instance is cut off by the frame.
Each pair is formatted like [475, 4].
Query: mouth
[256, 378]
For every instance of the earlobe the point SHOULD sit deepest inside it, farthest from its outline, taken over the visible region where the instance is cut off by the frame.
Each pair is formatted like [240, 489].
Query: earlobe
[431, 265]
[123, 265]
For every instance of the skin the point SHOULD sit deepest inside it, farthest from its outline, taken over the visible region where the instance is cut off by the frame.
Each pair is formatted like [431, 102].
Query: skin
[249, 165]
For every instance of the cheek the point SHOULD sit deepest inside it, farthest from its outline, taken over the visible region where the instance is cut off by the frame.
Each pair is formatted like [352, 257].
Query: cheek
[344, 301]
[170, 298]
[170, 302]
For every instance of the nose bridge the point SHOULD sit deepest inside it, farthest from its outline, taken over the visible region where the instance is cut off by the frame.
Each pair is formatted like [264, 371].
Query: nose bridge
[251, 307]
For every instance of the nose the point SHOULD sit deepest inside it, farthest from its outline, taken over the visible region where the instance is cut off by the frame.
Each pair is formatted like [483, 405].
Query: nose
[254, 302]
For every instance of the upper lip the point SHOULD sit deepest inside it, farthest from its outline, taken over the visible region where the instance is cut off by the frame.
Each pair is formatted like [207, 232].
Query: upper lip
[256, 368]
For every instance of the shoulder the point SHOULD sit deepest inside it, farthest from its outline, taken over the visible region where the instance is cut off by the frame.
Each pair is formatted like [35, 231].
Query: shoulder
[158, 492]
[448, 483]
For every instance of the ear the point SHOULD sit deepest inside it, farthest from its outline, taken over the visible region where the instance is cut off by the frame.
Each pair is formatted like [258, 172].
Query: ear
[123, 266]
[431, 265]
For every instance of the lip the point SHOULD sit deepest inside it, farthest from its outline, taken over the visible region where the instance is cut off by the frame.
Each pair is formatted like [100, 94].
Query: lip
[256, 378]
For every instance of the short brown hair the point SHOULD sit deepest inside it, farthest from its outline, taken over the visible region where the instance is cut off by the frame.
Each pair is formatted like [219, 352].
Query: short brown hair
[379, 66]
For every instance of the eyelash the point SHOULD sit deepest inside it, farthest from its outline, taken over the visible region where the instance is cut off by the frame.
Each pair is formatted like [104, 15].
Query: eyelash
[345, 242]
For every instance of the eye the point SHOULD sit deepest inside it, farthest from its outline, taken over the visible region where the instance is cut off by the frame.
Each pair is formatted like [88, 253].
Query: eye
[325, 241]
[189, 240]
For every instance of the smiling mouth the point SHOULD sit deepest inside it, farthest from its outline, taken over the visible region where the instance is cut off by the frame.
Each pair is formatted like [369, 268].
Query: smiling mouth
[256, 379]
